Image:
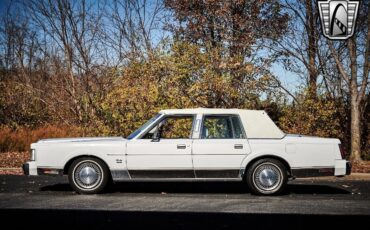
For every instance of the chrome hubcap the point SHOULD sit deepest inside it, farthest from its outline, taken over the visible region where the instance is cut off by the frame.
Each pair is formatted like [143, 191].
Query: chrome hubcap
[267, 177]
[87, 175]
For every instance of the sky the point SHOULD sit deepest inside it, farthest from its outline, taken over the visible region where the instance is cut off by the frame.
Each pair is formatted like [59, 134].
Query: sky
[288, 79]
[3, 5]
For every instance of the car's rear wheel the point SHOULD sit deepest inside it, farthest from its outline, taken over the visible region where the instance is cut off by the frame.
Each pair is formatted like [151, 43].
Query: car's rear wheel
[88, 175]
[267, 177]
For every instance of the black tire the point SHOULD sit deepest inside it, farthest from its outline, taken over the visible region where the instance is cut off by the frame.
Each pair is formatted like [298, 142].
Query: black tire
[88, 175]
[267, 177]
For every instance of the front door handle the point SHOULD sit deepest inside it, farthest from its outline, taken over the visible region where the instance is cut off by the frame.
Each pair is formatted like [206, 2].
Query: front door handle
[238, 146]
[181, 146]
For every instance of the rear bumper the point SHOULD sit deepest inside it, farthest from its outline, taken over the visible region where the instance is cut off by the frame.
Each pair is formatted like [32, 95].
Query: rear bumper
[348, 168]
[341, 168]
[312, 172]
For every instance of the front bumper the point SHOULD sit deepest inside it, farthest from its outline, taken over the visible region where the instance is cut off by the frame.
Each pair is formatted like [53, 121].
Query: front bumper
[30, 168]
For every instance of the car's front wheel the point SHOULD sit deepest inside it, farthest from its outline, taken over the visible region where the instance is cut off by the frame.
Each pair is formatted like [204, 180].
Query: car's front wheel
[267, 177]
[88, 175]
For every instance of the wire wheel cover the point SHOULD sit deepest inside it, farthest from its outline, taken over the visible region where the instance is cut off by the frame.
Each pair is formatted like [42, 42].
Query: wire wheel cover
[267, 177]
[87, 175]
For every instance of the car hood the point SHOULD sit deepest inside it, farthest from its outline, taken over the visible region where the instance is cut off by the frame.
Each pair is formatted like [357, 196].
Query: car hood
[80, 139]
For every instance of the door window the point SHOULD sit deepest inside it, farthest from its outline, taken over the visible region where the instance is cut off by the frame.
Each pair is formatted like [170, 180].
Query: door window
[238, 130]
[217, 127]
[221, 127]
[173, 127]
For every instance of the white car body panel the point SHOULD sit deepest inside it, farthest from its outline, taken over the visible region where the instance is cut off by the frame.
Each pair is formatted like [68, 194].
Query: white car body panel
[195, 158]
[145, 154]
[56, 153]
[219, 154]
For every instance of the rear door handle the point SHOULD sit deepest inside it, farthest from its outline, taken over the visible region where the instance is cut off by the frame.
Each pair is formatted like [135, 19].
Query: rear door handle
[238, 146]
[181, 146]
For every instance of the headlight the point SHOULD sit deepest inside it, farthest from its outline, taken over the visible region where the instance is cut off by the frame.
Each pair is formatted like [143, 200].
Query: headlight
[33, 155]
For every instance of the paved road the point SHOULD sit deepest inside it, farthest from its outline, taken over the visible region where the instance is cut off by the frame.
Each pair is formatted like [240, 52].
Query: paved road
[185, 205]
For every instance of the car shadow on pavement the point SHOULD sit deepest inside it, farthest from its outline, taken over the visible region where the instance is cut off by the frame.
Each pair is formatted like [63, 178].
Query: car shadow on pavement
[201, 187]
[315, 189]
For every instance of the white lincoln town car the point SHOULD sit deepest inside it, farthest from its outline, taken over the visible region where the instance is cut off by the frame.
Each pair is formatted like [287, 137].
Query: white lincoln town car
[192, 144]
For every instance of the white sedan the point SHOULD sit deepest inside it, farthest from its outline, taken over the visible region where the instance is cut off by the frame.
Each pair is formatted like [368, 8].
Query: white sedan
[192, 144]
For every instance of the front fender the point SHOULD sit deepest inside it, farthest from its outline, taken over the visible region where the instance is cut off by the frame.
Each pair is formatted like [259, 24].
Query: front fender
[112, 160]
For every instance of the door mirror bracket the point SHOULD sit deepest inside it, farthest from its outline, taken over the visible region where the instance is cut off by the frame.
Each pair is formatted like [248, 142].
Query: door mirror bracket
[156, 136]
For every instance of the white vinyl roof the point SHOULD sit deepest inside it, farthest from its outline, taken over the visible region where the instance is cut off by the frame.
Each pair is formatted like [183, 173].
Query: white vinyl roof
[257, 123]
[199, 111]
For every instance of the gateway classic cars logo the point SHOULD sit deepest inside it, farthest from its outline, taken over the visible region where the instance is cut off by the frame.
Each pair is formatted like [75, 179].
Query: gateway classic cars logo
[338, 18]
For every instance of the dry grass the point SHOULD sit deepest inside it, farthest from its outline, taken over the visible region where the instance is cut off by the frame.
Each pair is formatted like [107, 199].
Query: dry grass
[13, 159]
[19, 140]
[363, 167]
[16, 171]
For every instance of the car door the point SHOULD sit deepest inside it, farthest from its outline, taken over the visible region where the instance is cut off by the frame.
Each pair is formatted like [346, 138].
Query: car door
[221, 148]
[164, 151]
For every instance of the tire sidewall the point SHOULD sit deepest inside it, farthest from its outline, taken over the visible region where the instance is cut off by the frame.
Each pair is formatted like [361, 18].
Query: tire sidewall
[100, 187]
[251, 171]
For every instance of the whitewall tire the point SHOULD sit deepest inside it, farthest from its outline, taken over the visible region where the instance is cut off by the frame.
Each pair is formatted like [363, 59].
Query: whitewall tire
[267, 177]
[88, 175]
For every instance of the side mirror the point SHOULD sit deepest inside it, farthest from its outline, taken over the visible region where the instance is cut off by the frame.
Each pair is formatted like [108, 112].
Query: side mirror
[156, 136]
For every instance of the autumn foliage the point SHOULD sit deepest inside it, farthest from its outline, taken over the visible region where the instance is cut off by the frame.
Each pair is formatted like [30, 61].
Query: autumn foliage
[19, 139]
[87, 69]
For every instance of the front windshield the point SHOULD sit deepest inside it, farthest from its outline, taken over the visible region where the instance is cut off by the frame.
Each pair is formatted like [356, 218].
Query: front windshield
[141, 128]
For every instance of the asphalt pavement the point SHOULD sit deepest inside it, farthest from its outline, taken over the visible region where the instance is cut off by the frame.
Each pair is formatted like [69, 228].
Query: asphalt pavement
[46, 201]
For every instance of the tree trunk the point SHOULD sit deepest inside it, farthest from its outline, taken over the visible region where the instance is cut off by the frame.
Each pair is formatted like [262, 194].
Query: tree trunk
[355, 104]
[312, 49]
[355, 131]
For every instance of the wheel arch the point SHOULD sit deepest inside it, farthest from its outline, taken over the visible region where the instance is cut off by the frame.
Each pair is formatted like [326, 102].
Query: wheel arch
[269, 156]
[70, 161]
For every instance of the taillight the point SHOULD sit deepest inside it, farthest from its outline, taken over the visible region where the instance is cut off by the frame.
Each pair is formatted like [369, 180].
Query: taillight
[342, 152]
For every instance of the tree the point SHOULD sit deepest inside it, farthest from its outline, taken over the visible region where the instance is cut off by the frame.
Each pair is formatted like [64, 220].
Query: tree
[232, 33]
[305, 46]
[357, 78]
[20, 104]
[181, 77]
[135, 29]
[308, 117]
[234, 25]
[72, 29]
[298, 49]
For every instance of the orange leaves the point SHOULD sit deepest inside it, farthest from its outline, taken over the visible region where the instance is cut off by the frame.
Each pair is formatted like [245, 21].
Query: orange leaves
[13, 160]
[21, 138]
